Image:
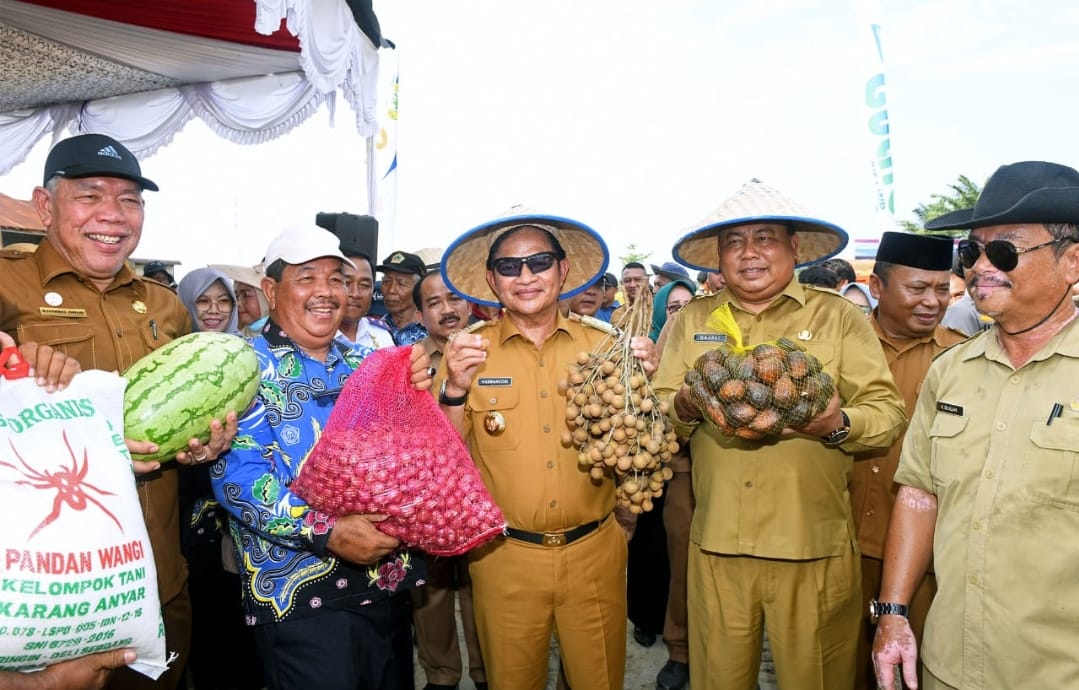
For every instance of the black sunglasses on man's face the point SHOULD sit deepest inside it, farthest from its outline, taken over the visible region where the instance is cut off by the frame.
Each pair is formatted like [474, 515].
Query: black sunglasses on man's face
[511, 266]
[1001, 253]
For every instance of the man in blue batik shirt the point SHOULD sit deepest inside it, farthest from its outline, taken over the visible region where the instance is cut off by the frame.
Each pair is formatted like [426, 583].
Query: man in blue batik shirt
[328, 596]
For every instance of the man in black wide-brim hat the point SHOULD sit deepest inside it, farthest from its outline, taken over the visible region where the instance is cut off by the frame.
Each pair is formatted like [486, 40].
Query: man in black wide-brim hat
[988, 470]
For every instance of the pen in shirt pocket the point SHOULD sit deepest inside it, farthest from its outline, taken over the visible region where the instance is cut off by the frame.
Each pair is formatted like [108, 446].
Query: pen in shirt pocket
[1057, 410]
[153, 328]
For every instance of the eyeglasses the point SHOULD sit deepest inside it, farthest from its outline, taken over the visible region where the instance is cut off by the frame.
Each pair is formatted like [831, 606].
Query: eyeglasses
[206, 304]
[675, 307]
[511, 266]
[1001, 253]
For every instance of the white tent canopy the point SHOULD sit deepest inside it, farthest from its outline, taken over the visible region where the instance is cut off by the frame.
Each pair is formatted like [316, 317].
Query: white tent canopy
[82, 66]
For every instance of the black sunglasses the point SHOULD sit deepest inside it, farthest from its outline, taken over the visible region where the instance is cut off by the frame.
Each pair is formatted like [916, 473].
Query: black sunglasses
[1001, 253]
[511, 266]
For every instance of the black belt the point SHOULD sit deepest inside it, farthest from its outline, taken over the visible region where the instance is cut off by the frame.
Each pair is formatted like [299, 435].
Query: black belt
[555, 538]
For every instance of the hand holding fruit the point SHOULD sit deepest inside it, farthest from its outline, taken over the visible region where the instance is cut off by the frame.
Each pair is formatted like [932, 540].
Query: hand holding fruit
[644, 349]
[830, 419]
[687, 409]
[221, 436]
[464, 354]
[355, 538]
[422, 375]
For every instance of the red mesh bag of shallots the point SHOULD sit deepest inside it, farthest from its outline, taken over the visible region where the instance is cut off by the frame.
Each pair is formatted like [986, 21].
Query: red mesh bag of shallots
[388, 448]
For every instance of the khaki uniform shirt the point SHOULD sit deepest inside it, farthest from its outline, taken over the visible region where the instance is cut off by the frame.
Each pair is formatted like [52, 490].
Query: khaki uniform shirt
[43, 300]
[433, 353]
[1006, 614]
[873, 491]
[532, 477]
[783, 498]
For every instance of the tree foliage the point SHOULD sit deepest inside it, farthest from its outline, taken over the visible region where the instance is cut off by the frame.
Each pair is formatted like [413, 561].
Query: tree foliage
[964, 193]
[632, 254]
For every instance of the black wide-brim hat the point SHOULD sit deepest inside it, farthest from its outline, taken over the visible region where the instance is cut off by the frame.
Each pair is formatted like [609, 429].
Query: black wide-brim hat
[756, 202]
[464, 265]
[1024, 192]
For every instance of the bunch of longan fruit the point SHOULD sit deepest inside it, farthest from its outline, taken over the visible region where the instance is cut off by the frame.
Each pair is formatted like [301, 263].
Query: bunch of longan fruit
[618, 426]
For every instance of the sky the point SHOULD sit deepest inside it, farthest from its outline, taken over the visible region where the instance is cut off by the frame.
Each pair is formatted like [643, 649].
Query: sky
[638, 119]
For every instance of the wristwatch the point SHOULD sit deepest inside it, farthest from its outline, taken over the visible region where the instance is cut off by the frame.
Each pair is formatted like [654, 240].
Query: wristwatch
[447, 400]
[884, 608]
[834, 438]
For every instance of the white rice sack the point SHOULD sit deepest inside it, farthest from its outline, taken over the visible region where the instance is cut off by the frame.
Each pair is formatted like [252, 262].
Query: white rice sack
[77, 574]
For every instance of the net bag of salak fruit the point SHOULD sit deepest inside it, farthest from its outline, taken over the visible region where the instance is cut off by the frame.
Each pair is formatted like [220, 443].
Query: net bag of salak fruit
[755, 391]
[388, 449]
[77, 566]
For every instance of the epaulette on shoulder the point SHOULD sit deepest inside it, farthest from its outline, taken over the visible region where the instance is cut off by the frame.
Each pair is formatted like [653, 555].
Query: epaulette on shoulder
[955, 330]
[966, 341]
[170, 288]
[593, 322]
[15, 254]
[822, 290]
[472, 328]
[702, 295]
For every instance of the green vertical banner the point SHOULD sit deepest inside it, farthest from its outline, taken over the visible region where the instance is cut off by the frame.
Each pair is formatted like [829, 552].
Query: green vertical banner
[875, 100]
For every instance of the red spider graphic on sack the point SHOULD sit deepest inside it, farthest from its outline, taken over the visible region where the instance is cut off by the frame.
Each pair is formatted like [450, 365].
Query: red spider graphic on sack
[69, 483]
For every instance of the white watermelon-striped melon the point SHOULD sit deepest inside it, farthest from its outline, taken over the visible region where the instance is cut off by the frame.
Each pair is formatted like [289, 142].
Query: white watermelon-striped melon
[174, 392]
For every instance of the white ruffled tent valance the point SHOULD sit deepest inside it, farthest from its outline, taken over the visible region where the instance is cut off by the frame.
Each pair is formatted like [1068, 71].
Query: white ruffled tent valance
[334, 54]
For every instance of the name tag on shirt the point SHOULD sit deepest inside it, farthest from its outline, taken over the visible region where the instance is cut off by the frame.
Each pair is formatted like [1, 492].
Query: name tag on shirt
[709, 337]
[57, 311]
[949, 408]
[497, 381]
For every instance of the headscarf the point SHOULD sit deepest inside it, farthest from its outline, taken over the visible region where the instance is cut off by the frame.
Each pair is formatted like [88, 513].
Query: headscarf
[659, 305]
[199, 281]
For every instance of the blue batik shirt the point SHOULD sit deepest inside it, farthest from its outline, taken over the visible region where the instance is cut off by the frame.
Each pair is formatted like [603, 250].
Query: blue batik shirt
[280, 540]
[406, 335]
[605, 313]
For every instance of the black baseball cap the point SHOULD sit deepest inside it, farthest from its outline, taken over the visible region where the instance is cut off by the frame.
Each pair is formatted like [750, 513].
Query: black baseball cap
[94, 155]
[403, 262]
[153, 267]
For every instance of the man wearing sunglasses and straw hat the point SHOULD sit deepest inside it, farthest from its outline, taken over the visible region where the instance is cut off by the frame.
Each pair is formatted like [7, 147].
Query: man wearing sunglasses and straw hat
[988, 473]
[563, 559]
[772, 538]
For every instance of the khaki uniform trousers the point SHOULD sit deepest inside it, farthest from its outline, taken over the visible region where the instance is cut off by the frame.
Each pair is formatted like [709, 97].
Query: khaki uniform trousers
[810, 609]
[523, 592]
[677, 516]
[434, 613]
[872, 570]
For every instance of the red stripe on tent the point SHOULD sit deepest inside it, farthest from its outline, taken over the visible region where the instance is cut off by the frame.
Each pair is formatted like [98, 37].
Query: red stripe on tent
[224, 20]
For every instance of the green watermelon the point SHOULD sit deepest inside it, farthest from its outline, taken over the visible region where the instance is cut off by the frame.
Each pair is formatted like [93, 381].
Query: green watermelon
[174, 392]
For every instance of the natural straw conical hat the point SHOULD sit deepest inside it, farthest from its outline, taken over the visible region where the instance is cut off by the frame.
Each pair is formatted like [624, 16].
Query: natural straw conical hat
[464, 265]
[756, 202]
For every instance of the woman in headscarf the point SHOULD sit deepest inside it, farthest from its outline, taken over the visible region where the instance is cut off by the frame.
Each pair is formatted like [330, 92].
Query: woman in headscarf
[222, 647]
[660, 303]
[859, 294]
[210, 299]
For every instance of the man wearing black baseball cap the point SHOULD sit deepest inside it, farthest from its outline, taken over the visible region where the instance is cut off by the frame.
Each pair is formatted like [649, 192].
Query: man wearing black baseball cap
[78, 294]
[610, 297]
[156, 270]
[400, 273]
